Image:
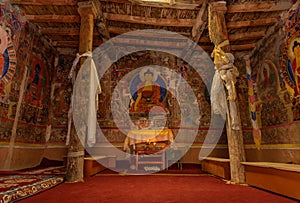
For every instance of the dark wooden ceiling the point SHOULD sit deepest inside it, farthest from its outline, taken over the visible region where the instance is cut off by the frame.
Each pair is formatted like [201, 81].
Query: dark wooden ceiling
[247, 21]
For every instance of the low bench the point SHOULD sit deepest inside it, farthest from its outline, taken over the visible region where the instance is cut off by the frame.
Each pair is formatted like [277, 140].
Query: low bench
[92, 165]
[276, 177]
[217, 166]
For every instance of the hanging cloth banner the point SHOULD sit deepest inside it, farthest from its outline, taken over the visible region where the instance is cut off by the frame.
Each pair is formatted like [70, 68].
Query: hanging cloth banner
[94, 90]
[253, 107]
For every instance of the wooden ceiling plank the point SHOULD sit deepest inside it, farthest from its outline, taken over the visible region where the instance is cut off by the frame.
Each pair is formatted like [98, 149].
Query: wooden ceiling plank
[150, 21]
[248, 23]
[54, 18]
[45, 2]
[260, 7]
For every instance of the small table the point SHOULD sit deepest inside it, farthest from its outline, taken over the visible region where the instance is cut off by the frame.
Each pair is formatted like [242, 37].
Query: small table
[150, 157]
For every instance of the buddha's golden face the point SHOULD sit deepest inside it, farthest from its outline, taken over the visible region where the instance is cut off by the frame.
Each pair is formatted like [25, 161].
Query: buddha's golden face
[148, 77]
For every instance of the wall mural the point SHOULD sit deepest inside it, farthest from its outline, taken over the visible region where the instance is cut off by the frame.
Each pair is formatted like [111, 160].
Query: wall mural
[62, 99]
[8, 61]
[147, 88]
[273, 99]
[290, 68]
[36, 83]
[11, 22]
[270, 107]
[37, 90]
[34, 65]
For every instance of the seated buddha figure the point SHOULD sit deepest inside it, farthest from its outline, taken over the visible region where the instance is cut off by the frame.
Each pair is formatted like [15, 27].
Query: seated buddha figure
[148, 95]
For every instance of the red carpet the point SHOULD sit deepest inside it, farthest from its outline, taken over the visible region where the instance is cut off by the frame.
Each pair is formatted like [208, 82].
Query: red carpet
[155, 188]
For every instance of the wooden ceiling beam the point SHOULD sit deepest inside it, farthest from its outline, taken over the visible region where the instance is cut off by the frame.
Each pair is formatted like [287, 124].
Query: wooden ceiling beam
[115, 17]
[119, 31]
[45, 2]
[73, 43]
[114, 30]
[201, 22]
[62, 31]
[176, 5]
[54, 18]
[150, 21]
[246, 36]
[259, 7]
[248, 23]
[96, 43]
[242, 47]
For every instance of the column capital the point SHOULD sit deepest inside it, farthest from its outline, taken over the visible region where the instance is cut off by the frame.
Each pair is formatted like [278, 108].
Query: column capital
[87, 8]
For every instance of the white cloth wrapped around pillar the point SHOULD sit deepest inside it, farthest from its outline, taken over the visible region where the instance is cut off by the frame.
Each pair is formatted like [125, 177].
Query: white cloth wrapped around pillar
[228, 73]
[94, 90]
[218, 96]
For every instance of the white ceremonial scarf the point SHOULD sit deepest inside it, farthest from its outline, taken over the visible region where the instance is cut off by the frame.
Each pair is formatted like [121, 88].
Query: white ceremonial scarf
[92, 109]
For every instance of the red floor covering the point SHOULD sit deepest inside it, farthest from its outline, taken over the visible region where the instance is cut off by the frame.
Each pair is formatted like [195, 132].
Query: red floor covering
[157, 188]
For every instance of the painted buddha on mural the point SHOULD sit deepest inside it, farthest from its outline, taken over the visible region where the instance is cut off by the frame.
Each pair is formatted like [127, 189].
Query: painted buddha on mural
[148, 90]
[293, 68]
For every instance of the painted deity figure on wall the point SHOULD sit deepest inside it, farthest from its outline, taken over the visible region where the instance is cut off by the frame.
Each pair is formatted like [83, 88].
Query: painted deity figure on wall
[148, 89]
[267, 82]
[4, 59]
[7, 62]
[293, 68]
[35, 83]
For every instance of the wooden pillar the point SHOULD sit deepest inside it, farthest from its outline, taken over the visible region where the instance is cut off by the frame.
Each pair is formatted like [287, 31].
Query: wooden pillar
[218, 34]
[87, 12]
[75, 157]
